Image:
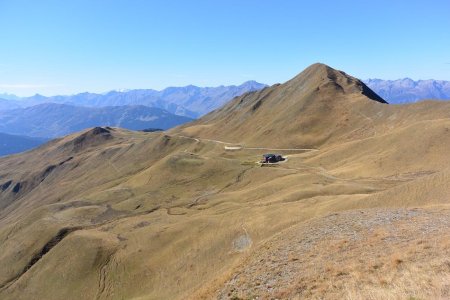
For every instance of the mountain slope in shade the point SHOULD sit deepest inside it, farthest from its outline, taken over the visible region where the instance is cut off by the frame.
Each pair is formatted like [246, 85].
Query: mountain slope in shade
[10, 144]
[110, 213]
[407, 90]
[54, 120]
[190, 101]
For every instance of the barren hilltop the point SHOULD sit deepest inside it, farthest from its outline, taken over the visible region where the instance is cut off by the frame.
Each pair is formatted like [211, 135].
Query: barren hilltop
[359, 208]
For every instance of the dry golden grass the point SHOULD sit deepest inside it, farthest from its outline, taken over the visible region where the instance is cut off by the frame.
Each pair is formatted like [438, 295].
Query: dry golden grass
[132, 215]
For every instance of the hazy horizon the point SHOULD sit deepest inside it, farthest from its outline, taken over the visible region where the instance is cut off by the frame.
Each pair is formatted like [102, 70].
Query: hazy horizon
[127, 89]
[173, 86]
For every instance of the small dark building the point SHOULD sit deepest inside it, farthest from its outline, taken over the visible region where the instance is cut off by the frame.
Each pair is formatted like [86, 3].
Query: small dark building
[272, 158]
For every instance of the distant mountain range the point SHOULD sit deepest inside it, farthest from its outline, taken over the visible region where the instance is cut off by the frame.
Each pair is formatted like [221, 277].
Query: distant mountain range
[139, 109]
[54, 120]
[190, 101]
[7, 96]
[10, 144]
[194, 102]
[50, 117]
[407, 90]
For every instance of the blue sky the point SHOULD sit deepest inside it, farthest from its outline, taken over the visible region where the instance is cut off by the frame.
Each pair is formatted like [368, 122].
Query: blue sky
[65, 47]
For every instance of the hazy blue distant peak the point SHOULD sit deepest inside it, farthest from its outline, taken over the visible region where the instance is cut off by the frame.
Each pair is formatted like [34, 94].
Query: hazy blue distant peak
[190, 101]
[253, 83]
[39, 96]
[119, 91]
[7, 96]
[406, 79]
[249, 83]
[407, 90]
[35, 97]
[406, 82]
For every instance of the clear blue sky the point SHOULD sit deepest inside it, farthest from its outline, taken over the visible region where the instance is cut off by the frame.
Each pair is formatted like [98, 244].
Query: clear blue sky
[63, 47]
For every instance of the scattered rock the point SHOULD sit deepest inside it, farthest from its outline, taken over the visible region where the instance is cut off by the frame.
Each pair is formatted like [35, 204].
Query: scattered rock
[242, 243]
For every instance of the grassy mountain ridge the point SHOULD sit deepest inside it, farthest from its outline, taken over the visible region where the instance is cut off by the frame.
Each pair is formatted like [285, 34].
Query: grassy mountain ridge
[111, 213]
[306, 111]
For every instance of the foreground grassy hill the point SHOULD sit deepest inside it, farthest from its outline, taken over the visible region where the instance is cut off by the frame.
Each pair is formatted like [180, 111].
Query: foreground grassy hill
[111, 214]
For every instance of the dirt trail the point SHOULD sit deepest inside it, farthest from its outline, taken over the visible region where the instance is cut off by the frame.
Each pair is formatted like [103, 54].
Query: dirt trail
[236, 147]
[318, 170]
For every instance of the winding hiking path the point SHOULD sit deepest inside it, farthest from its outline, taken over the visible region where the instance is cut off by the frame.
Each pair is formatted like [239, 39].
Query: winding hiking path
[317, 170]
[246, 148]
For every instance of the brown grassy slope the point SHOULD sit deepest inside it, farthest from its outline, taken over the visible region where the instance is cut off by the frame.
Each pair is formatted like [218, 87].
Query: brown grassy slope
[157, 216]
[319, 107]
[125, 182]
